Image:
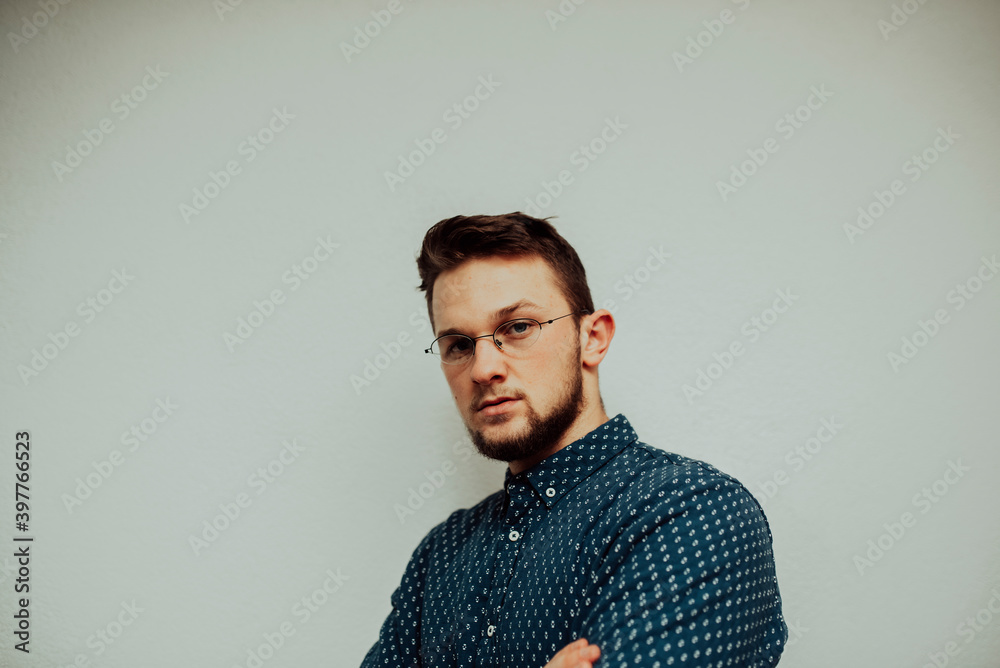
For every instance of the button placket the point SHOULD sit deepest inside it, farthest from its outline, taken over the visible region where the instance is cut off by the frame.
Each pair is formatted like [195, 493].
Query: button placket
[513, 525]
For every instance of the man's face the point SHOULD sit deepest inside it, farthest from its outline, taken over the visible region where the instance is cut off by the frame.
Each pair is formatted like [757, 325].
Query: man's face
[545, 381]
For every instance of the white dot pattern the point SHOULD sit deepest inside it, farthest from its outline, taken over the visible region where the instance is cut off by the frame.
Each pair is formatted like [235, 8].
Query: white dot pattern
[659, 559]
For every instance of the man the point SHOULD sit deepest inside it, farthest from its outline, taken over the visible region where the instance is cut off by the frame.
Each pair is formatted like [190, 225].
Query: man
[600, 550]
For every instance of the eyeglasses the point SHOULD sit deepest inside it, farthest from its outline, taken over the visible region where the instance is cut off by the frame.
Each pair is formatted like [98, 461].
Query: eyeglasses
[513, 336]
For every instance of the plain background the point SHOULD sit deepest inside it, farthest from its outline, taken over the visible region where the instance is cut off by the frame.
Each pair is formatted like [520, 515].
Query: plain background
[366, 449]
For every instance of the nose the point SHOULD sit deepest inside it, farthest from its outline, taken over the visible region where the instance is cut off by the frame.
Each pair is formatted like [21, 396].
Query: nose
[487, 362]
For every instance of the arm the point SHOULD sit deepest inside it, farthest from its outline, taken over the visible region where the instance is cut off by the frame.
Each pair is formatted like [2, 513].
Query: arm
[689, 576]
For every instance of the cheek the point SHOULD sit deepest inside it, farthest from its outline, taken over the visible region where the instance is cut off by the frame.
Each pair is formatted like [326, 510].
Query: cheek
[547, 378]
[458, 388]
[538, 378]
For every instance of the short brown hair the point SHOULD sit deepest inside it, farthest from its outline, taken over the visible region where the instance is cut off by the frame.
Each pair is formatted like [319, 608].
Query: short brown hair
[452, 241]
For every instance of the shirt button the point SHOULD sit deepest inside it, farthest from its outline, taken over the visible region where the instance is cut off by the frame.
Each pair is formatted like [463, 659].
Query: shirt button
[550, 492]
[490, 629]
[514, 535]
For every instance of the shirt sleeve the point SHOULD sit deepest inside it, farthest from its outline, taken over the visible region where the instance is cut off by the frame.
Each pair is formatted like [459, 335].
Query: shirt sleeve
[688, 580]
[398, 643]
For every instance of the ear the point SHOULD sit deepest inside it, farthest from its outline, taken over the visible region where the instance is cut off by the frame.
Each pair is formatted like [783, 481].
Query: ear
[596, 332]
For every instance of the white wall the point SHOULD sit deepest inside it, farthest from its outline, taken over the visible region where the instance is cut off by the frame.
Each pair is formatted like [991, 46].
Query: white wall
[64, 232]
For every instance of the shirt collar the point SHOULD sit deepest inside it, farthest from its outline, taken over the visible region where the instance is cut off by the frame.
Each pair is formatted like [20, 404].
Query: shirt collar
[563, 470]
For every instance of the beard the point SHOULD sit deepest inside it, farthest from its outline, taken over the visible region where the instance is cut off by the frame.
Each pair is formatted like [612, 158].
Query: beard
[541, 432]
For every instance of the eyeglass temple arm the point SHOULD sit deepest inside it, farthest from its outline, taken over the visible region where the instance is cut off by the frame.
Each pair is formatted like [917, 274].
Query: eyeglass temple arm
[549, 322]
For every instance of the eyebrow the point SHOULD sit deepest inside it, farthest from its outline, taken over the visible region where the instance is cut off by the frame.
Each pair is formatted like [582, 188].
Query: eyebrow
[500, 314]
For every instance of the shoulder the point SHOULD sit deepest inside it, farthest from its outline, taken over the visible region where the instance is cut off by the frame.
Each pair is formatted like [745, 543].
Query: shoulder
[677, 475]
[664, 484]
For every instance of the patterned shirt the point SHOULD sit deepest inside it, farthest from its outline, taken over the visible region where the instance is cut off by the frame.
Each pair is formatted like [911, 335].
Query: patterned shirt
[658, 559]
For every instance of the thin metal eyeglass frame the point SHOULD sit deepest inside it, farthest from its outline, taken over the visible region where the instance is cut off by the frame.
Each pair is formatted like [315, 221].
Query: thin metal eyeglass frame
[494, 334]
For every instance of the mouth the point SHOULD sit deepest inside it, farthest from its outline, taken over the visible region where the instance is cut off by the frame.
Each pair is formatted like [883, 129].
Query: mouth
[497, 406]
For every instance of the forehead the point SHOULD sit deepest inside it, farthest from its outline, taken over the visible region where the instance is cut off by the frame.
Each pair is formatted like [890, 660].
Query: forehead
[466, 296]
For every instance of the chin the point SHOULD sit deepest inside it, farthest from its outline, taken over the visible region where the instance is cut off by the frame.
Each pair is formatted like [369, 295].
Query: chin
[486, 421]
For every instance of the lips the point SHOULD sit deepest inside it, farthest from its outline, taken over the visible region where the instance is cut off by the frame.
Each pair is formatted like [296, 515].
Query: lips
[494, 401]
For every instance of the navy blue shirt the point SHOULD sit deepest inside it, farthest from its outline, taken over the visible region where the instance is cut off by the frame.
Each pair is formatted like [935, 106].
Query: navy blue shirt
[658, 559]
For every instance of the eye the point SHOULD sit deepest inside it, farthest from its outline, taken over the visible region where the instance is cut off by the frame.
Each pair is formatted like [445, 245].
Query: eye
[457, 345]
[518, 329]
